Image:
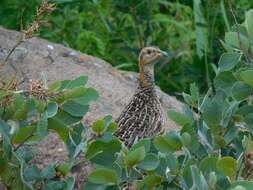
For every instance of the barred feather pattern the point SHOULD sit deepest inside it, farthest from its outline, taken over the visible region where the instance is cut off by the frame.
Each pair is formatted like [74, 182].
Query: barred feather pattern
[143, 117]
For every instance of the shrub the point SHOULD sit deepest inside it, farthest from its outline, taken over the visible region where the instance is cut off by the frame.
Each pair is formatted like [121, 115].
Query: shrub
[27, 117]
[212, 150]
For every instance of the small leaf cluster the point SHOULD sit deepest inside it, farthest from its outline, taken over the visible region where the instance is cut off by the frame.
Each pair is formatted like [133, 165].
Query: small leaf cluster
[26, 119]
[213, 149]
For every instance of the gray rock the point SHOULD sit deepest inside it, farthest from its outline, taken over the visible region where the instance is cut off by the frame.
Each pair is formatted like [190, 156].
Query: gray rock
[37, 57]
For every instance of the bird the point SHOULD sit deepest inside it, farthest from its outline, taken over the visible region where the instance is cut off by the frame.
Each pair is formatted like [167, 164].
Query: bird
[143, 116]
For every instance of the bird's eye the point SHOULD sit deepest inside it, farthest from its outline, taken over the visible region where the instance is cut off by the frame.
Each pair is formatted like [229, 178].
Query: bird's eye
[149, 52]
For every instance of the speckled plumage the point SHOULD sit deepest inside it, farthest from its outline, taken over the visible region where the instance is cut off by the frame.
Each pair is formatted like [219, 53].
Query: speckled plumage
[143, 116]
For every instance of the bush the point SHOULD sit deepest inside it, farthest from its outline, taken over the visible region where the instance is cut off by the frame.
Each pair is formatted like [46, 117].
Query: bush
[27, 117]
[212, 150]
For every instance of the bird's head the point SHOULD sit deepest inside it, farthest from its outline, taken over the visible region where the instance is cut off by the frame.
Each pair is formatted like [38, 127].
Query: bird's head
[150, 55]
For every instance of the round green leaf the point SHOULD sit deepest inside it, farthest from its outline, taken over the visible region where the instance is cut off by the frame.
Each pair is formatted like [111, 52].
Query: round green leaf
[228, 166]
[143, 142]
[241, 91]
[73, 93]
[228, 61]
[186, 139]
[208, 164]
[103, 153]
[168, 143]
[89, 95]
[48, 172]
[23, 133]
[52, 109]
[103, 176]
[112, 127]
[98, 126]
[179, 118]
[135, 156]
[80, 81]
[75, 109]
[150, 182]
[247, 76]
[150, 162]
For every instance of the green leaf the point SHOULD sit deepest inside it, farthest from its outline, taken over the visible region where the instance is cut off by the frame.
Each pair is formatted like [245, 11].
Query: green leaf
[150, 162]
[21, 107]
[248, 22]
[193, 144]
[58, 126]
[135, 156]
[5, 131]
[186, 139]
[248, 185]
[91, 186]
[194, 91]
[247, 76]
[31, 173]
[52, 109]
[103, 125]
[168, 143]
[103, 176]
[228, 166]
[98, 127]
[146, 143]
[236, 40]
[150, 182]
[224, 81]
[228, 113]
[80, 81]
[73, 93]
[64, 168]
[89, 95]
[40, 105]
[103, 153]
[199, 182]
[208, 164]
[42, 126]
[23, 134]
[54, 185]
[212, 180]
[168, 165]
[228, 61]
[70, 183]
[48, 172]
[201, 29]
[241, 91]
[66, 118]
[112, 127]
[188, 99]
[212, 112]
[75, 109]
[180, 118]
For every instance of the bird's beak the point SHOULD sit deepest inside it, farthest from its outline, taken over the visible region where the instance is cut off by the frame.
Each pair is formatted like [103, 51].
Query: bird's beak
[164, 53]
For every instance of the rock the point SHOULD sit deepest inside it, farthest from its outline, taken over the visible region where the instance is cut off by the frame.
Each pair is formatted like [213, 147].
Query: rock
[36, 57]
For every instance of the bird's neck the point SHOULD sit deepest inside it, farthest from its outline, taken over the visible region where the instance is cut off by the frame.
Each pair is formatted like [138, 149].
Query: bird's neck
[146, 76]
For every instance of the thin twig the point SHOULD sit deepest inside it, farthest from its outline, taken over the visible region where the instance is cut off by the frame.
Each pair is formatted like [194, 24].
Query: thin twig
[24, 141]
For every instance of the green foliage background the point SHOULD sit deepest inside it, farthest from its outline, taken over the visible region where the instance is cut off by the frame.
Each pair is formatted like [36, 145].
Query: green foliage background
[116, 30]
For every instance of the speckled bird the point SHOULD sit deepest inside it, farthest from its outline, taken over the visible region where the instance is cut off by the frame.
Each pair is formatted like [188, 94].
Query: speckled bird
[143, 116]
